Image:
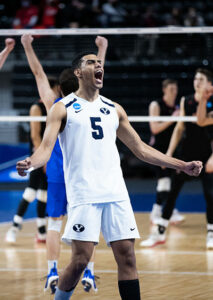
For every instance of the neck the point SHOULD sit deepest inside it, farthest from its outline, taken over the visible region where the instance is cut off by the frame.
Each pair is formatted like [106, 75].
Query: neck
[87, 94]
[169, 101]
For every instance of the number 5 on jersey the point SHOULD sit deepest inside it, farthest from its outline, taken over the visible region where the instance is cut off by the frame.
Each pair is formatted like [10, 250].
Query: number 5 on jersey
[97, 134]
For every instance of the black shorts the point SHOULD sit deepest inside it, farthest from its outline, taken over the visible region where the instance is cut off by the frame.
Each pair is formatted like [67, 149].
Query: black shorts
[38, 180]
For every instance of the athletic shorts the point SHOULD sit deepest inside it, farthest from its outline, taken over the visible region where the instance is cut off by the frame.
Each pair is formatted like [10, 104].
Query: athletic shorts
[56, 199]
[38, 180]
[115, 219]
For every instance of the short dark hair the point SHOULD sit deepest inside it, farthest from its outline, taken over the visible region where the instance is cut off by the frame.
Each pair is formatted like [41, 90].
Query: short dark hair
[168, 81]
[207, 73]
[76, 63]
[53, 81]
[68, 81]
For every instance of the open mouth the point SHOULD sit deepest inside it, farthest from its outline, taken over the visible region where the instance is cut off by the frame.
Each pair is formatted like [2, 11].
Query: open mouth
[99, 75]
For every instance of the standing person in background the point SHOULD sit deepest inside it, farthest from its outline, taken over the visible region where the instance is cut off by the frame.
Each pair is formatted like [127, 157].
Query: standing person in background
[37, 186]
[9, 46]
[162, 132]
[56, 198]
[205, 118]
[88, 124]
[195, 145]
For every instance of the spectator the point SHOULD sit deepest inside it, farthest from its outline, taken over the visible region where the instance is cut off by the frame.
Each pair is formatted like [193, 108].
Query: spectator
[193, 19]
[26, 16]
[175, 18]
[50, 10]
[113, 14]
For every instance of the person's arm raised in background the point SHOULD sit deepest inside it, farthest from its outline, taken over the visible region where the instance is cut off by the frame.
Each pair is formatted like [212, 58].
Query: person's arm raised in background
[102, 44]
[46, 94]
[9, 45]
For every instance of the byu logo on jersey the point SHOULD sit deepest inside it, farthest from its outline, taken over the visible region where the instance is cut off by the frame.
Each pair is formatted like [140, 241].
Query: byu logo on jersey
[105, 111]
[78, 228]
[77, 106]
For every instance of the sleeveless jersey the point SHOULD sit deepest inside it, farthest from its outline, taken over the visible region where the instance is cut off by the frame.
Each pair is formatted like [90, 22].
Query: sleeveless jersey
[162, 139]
[54, 170]
[91, 159]
[196, 144]
[43, 124]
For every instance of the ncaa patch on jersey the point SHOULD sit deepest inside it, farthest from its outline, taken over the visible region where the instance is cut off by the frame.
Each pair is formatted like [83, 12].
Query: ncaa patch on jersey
[105, 110]
[77, 106]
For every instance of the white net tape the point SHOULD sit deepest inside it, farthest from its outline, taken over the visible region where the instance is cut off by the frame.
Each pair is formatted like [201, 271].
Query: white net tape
[106, 31]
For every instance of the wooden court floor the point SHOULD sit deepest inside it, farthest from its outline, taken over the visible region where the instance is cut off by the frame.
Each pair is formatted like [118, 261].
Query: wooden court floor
[181, 269]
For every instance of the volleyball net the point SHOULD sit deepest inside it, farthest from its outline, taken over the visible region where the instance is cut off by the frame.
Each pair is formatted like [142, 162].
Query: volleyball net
[137, 61]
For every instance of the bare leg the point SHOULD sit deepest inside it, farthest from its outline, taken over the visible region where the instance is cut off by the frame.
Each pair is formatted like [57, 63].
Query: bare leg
[81, 254]
[125, 257]
[128, 282]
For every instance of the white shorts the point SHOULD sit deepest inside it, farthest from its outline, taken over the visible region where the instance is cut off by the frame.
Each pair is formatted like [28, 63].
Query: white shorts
[115, 219]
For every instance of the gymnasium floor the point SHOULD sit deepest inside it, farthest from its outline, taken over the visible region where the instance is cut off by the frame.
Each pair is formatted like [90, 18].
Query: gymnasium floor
[181, 269]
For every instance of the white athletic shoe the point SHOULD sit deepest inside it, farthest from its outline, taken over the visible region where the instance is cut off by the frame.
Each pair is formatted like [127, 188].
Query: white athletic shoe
[209, 240]
[155, 213]
[154, 239]
[11, 235]
[176, 217]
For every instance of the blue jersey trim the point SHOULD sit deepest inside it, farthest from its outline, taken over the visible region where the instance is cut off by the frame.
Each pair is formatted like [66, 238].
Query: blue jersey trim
[112, 105]
[57, 100]
[70, 103]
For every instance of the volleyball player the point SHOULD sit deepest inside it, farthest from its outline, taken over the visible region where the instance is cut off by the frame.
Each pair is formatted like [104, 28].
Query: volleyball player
[37, 186]
[57, 202]
[9, 46]
[205, 118]
[161, 134]
[196, 146]
[98, 199]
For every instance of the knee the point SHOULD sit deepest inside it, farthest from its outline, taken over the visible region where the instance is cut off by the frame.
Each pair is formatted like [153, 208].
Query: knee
[128, 258]
[80, 262]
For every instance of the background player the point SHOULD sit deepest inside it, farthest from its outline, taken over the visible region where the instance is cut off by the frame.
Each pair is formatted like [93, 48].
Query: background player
[96, 190]
[195, 145]
[57, 202]
[161, 134]
[205, 118]
[37, 187]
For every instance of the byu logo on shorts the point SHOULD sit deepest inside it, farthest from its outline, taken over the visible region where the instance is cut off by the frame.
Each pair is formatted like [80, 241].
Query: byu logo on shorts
[78, 228]
[77, 106]
[105, 111]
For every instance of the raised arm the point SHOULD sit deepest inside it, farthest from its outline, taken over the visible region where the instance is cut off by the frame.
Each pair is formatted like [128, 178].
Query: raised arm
[131, 139]
[46, 94]
[9, 45]
[157, 127]
[41, 156]
[102, 44]
[178, 131]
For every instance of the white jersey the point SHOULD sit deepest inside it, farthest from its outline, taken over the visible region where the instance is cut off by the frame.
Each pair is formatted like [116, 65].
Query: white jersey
[91, 160]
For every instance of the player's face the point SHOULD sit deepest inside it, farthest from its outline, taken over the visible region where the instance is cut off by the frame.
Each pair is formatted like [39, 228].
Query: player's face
[92, 71]
[200, 81]
[171, 91]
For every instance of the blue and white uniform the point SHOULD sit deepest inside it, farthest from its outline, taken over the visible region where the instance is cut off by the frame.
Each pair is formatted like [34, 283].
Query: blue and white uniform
[96, 191]
[56, 192]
